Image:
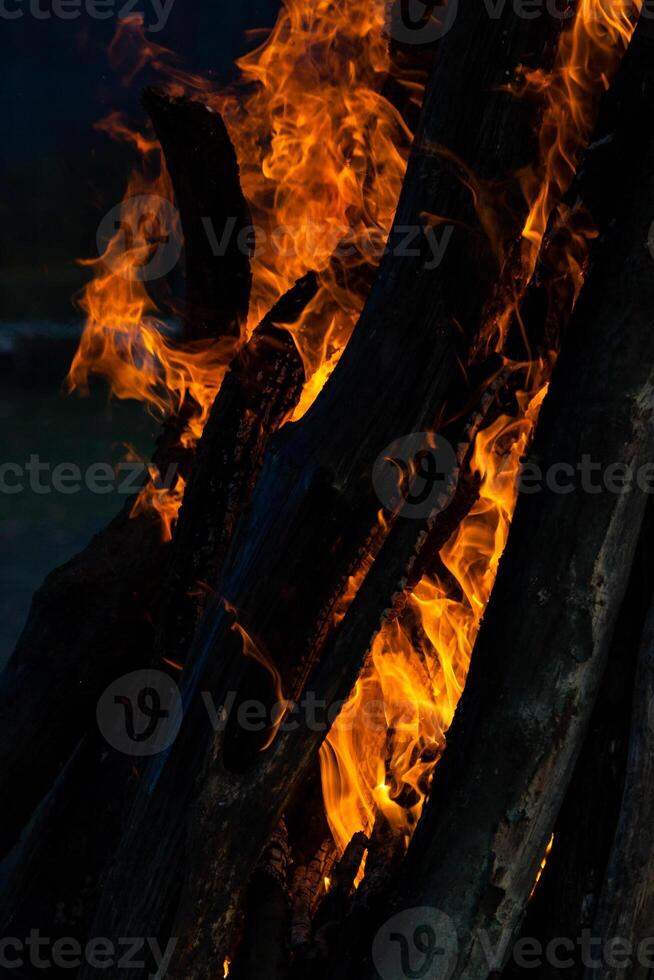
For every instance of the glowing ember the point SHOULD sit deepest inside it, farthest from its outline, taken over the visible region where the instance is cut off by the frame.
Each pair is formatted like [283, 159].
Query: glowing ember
[543, 863]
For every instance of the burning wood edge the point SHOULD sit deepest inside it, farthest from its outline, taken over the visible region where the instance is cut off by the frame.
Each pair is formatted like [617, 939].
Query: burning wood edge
[260, 389]
[308, 882]
[314, 498]
[259, 393]
[534, 679]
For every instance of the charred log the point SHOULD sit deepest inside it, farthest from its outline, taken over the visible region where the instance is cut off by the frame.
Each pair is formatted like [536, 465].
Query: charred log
[206, 180]
[259, 393]
[534, 678]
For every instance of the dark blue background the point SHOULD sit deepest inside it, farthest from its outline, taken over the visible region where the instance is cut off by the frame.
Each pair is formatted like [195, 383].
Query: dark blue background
[57, 175]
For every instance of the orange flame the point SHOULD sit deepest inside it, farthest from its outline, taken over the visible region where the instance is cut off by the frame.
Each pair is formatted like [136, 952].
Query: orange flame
[322, 156]
[381, 752]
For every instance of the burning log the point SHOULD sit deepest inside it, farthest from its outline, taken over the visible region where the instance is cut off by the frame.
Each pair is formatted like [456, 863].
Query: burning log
[261, 390]
[205, 174]
[91, 620]
[534, 678]
[330, 914]
[308, 884]
[313, 500]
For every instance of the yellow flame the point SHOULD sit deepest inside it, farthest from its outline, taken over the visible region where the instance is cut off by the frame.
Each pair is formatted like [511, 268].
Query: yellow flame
[381, 752]
[322, 156]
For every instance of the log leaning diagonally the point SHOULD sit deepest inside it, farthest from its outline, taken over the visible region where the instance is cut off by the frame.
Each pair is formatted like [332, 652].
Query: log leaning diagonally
[89, 620]
[213, 211]
[543, 643]
[314, 511]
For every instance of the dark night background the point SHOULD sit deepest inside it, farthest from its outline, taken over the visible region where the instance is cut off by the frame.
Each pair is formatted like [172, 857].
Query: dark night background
[59, 177]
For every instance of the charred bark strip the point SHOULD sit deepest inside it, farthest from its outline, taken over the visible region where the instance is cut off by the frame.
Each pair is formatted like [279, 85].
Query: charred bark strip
[567, 895]
[214, 214]
[543, 645]
[260, 391]
[314, 510]
[626, 908]
[329, 917]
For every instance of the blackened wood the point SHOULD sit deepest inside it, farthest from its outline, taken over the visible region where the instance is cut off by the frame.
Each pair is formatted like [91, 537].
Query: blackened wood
[260, 391]
[261, 387]
[568, 891]
[542, 648]
[626, 907]
[89, 622]
[314, 510]
[214, 214]
[331, 912]
[385, 854]
[264, 947]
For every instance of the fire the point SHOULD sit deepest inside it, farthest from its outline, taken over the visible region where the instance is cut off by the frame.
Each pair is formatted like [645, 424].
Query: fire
[381, 752]
[542, 866]
[588, 55]
[329, 167]
[322, 156]
[382, 749]
[124, 341]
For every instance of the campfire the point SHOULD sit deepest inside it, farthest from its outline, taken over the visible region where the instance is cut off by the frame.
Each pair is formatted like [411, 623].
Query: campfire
[381, 607]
